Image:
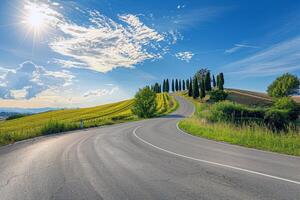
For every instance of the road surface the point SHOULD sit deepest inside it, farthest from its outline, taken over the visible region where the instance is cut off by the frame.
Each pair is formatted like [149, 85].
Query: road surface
[149, 159]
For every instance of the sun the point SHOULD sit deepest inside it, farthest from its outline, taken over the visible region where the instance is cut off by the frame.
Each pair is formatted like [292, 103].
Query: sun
[34, 18]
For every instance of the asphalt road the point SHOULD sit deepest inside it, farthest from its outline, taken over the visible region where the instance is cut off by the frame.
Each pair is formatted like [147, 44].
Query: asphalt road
[149, 159]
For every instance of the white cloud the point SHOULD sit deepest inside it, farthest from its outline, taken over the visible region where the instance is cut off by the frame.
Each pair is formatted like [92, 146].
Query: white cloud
[180, 6]
[100, 43]
[100, 92]
[239, 47]
[277, 59]
[185, 56]
[29, 80]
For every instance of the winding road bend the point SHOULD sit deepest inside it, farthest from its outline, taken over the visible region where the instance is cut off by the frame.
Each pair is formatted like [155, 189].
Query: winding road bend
[149, 159]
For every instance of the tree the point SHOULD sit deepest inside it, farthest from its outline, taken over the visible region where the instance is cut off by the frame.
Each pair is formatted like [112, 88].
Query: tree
[179, 85]
[183, 85]
[195, 88]
[207, 82]
[187, 84]
[167, 86]
[201, 74]
[202, 89]
[214, 81]
[176, 85]
[164, 86]
[283, 86]
[190, 88]
[173, 88]
[144, 103]
[220, 81]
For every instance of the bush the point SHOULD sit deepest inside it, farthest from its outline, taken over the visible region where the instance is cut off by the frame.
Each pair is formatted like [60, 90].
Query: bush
[56, 127]
[145, 103]
[276, 119]
[230, 111]
[16, 116]
[285, 85]
[286, 103]
[218, 95]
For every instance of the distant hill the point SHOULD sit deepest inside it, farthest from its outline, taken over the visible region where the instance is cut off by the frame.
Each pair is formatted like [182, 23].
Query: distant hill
[27, 110]
[252, 98]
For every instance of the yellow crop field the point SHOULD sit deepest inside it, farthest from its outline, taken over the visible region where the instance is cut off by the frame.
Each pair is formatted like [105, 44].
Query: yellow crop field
[70, 119]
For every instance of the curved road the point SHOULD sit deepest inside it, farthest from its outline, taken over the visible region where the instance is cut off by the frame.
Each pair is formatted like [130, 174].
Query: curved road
[149, 159]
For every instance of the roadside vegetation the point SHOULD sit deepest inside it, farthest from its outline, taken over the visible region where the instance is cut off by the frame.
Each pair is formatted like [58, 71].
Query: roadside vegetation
[271, 122]
[65, 120]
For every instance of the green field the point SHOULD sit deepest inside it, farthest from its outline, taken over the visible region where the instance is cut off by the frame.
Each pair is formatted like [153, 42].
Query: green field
[64, 120]
[249, 135]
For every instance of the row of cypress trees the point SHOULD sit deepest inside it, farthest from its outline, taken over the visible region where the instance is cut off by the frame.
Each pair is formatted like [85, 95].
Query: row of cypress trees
[197, 87]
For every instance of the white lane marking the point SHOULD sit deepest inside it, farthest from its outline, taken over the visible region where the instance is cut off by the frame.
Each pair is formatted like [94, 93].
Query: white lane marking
[214, 163]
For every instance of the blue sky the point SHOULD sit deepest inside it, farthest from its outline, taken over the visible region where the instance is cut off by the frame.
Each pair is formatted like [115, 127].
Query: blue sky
[89, 52]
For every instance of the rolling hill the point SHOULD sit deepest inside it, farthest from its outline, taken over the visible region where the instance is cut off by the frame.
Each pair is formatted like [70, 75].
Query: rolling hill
[62, 120]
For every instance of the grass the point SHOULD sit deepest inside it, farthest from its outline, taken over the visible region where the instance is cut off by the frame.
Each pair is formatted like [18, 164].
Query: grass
[66, 120]
[248, 135]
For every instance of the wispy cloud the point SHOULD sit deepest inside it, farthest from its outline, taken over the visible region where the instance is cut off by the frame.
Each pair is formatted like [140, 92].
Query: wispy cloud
[29, 80]
[238, 47]
[102, 44]
[185, 55]
[277, 59]
[100, 92]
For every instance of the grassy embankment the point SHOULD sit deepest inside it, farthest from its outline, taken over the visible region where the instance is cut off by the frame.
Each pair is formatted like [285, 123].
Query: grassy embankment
[248, 135]
[66, 120]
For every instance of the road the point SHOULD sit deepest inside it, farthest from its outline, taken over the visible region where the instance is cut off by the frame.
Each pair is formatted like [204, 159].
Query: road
[149, 159]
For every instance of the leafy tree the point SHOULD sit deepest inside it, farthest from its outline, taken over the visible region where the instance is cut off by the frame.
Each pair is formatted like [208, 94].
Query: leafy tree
[144, 103]
[285, 85]
[195, 88]
[190, 88]
[207, 82]
[218, 95]
[179, 85]
[183, 85]
[288, 104]
[201, 74]
[214, 81]
[202, 89]
[176, 85]
[173, 87]
[164, 85]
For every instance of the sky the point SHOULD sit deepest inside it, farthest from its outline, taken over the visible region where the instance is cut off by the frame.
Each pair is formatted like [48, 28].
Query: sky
[85, 53]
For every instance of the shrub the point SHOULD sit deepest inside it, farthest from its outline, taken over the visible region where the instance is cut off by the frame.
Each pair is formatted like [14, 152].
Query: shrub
[145, 103]
[286, 103]
[16, 116]
[276, 119]
[285, 85]
[218, 95]
[230, 111]
[56, 127]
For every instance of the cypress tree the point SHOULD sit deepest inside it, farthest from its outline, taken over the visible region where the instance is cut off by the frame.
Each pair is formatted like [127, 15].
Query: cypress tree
[173, 88]
[167, 86]
[222, 81]
[183, 85]
[187, 84]
[207, 82]
[179, 85]
[164, 85]
[214, 81]
[202, 89]
[195, 88]
[176, 85]
[190, 88]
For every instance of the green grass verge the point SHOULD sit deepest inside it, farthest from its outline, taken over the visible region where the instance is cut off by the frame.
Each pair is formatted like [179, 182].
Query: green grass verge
[67, 120]
[251, 135]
